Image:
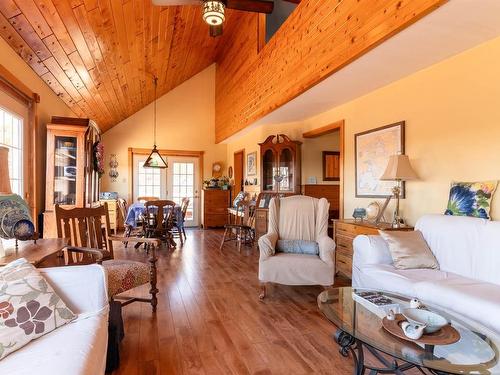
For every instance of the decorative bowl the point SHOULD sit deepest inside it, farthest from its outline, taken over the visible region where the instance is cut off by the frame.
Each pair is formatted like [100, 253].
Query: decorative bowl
[433, 322]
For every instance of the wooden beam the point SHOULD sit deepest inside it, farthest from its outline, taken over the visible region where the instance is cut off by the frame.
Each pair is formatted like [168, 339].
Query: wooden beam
[330, 128]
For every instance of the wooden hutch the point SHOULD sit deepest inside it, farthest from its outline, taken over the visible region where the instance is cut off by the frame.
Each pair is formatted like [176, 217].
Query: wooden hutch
[71, 180]
[280, 168]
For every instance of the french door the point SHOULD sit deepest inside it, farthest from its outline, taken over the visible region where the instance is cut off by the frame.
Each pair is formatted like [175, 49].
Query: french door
[148, 182]
[183, 181]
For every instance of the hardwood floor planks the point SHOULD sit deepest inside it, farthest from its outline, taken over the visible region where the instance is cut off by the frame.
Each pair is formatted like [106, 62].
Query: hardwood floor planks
[210, 320]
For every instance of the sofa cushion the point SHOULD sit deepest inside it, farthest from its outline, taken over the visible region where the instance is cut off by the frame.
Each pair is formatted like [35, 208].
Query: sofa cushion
[78, 348]
[409, 250]
[29, 307]
[464, 245]
[387, 278]
[474, 299]
[295, 269]
[297, 247]
[471, 199]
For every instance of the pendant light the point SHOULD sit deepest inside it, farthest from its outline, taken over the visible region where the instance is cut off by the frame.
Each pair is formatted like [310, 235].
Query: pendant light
[154, 159]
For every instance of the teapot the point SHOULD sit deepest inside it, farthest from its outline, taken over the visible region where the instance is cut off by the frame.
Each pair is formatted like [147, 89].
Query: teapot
[413, 331]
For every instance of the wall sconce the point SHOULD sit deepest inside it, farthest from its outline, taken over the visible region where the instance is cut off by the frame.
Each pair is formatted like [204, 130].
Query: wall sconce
[113, 164]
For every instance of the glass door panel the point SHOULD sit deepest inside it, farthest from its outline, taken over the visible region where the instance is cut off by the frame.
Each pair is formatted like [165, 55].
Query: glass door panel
[268, 171]
[65, 170]
[285, 177]
[183, 183]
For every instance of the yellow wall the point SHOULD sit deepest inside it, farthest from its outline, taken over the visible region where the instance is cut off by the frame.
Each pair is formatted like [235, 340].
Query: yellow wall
[311, 149]
[50, 105]
[452, 116]
[186, 121]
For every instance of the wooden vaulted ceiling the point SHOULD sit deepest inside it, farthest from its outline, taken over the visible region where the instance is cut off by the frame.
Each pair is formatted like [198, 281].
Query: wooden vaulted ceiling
[100, 56]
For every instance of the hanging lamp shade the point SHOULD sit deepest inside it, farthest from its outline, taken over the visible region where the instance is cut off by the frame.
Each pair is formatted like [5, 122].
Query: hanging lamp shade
[154, 159]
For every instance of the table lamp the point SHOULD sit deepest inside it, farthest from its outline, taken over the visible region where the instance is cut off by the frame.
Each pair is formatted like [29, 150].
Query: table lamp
[398, 169]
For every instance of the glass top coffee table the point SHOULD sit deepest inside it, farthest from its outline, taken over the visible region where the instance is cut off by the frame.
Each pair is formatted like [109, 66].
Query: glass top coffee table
[360, 326]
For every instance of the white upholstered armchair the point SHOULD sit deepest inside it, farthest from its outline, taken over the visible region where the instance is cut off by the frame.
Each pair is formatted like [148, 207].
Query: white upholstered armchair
[297, 218]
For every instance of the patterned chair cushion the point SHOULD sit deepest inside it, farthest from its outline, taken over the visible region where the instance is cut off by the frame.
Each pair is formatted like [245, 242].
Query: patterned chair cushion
[124, 275]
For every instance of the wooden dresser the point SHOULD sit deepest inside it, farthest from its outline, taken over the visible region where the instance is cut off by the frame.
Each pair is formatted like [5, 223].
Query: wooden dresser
[215, 204]
[344, 232]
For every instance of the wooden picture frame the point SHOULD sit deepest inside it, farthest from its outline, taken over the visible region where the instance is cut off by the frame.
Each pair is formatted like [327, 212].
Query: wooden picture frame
[331, 165]
[252, 164]
[372, 149]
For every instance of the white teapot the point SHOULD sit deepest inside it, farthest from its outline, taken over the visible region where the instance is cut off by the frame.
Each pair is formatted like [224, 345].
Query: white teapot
[413, 331]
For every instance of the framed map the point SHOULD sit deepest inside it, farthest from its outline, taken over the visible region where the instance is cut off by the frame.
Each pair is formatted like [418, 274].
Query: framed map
[373, 149]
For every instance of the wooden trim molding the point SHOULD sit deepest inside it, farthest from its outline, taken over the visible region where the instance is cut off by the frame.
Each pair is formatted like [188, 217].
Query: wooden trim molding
[330, 128]
[19, 91]
[147, 151]
[327, 129]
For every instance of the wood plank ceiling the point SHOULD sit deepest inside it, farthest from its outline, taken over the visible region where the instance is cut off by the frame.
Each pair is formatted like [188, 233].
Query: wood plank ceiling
[100, 56]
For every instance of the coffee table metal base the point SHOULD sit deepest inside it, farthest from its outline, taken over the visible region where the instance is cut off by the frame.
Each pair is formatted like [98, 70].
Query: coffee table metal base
[349, 344]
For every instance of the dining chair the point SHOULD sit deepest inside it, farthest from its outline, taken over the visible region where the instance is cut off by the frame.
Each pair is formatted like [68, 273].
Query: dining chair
[159, 220]
[90, 242]
[130, 230]
[179, 217]
[242, 230]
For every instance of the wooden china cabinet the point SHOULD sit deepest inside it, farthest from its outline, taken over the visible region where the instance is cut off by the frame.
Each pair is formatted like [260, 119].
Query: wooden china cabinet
[280, 167]
[71, 180]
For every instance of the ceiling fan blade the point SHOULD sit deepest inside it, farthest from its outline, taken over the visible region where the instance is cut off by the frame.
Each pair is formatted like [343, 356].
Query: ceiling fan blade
[166, 3]
[259, 6]
[215, 30]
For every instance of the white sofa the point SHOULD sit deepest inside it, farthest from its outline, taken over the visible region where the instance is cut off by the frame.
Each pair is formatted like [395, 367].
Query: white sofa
[468, 281]
[77, 348]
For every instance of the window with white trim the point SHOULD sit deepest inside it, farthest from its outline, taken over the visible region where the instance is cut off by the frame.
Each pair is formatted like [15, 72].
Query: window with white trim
[148, 181]
[11, 136]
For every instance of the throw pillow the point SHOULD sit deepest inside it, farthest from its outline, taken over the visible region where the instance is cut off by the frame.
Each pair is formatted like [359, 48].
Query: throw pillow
[29, 307]
[409, 250]
[297, 247]
[471, 199]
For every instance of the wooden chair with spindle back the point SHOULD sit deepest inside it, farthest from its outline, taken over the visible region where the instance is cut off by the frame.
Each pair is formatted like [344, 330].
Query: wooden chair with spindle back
[242, 230]
[130, 230]
[90, 241]
[178, 229]
[159, 220]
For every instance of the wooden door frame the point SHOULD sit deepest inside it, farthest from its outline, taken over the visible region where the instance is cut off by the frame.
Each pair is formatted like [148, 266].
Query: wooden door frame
[14, 87]
[146, 151]
[241, 151]
[330, 128]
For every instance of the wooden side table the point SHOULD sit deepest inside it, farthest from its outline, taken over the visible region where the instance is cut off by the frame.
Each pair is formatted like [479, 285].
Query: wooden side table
[34, 253]
[344, 232]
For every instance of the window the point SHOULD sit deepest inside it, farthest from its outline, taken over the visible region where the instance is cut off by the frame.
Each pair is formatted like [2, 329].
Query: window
[11, 136]
[148, 181]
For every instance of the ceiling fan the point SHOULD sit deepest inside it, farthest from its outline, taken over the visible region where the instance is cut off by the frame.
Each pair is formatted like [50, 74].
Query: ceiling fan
[213, 10]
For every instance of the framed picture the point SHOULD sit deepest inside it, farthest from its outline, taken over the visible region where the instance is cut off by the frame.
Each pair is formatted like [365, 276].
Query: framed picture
[252, 164]
[372, 149]
[331, 166]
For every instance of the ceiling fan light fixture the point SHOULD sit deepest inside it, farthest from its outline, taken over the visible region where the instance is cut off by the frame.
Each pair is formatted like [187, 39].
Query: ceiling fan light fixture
[213, 12]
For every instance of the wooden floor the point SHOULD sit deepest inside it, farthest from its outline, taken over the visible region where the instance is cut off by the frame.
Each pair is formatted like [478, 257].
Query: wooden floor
[210, 321]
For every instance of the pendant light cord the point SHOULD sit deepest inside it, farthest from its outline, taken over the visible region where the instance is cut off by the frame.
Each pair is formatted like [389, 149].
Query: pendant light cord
[154, 118]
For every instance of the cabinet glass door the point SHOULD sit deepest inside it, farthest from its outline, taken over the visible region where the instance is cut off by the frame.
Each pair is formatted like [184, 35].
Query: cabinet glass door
[285, 175]
[65, 170]
[268, 171]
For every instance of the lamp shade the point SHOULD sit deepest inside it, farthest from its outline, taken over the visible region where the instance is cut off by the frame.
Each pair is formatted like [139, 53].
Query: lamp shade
[155, 160]
[399, 169]
[5, 188]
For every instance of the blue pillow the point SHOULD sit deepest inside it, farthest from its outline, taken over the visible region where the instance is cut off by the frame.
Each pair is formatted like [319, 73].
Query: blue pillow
[238, 198]
[297, 247]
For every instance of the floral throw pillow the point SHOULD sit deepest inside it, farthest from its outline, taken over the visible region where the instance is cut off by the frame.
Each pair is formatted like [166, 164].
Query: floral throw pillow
[29, 307]
[471, 199]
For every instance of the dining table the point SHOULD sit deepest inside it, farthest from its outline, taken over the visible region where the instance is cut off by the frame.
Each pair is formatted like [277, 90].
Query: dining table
[138, 209]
